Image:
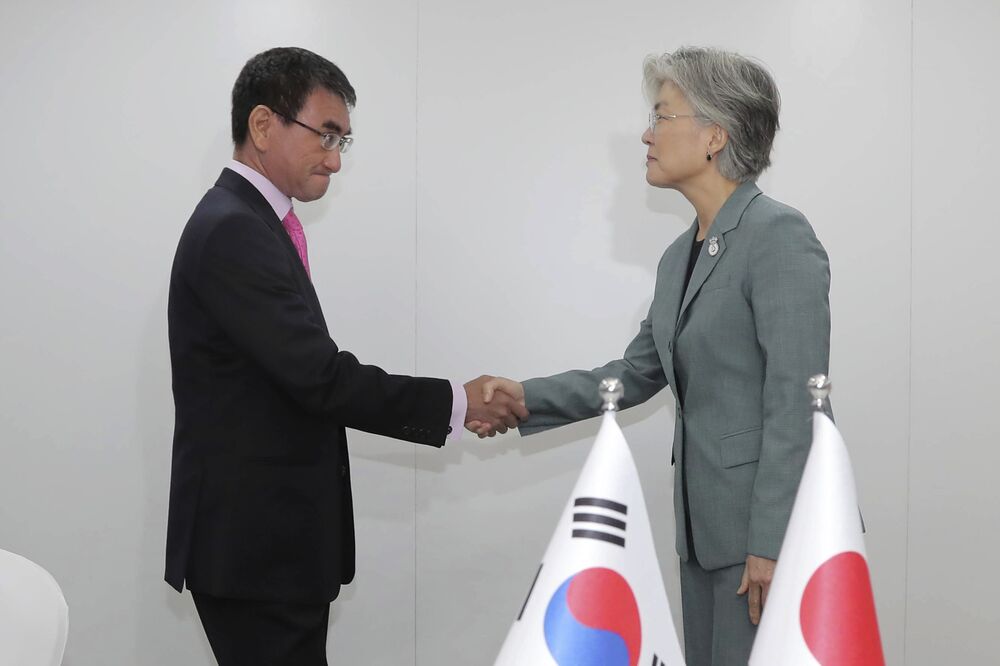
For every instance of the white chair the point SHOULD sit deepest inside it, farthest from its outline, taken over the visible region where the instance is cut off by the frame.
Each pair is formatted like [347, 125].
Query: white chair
[34, 617]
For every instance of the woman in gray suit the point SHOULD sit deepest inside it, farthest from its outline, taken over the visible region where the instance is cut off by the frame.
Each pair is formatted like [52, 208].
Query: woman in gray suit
[739, 321]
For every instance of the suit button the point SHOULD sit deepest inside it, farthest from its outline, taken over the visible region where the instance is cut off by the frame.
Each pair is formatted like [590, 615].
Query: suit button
[449, 430]
[343, 471]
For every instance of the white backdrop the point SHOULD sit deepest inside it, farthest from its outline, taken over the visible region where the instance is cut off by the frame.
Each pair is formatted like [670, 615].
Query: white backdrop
[492, 218]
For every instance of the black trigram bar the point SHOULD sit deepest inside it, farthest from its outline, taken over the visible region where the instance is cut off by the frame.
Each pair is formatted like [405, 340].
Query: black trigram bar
[600, 536]
[657, 662]
[598, 520]
[603, 503]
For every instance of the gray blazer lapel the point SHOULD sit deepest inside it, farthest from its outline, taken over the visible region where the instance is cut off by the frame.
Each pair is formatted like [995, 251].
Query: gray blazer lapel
[667, 300]
[728, 218]
[672, 277]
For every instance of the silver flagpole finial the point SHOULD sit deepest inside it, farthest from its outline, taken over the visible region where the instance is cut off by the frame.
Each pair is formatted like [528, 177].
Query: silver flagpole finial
[611, 391]
[819, 389]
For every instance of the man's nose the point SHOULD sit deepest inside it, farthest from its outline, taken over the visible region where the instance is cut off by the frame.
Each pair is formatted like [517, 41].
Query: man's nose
[332, 161]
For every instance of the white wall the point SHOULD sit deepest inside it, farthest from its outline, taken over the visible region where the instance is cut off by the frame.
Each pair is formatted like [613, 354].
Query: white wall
[495, 213]
[953, 520]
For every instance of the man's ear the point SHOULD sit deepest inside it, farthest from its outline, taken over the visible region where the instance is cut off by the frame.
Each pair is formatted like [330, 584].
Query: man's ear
[261, 126]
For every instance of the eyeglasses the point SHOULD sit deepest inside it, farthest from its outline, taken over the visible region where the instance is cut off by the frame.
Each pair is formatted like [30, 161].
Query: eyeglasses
[329, 140]
[654, 117]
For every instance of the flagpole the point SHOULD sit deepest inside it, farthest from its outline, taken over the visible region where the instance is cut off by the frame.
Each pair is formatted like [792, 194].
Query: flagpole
[611, 390]
[819, 388]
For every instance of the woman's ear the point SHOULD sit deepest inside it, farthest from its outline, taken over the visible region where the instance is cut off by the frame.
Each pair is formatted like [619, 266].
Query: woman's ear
[717, 140]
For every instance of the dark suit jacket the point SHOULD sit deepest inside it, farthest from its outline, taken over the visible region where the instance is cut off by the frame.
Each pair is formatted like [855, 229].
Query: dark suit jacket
[260, 491]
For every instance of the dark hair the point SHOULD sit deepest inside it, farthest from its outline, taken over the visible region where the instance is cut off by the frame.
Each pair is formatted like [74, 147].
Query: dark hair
[281, 79]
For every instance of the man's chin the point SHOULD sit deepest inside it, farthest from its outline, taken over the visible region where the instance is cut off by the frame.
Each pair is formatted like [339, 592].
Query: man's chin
[313, 194]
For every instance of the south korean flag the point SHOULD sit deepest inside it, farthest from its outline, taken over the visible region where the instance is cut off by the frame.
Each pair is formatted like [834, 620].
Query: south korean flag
[598, 597]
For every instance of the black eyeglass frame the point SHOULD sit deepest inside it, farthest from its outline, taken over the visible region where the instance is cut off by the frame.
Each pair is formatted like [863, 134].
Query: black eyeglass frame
[329, 140]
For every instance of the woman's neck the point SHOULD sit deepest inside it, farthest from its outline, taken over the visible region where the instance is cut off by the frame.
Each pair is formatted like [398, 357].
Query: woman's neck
[708, 197]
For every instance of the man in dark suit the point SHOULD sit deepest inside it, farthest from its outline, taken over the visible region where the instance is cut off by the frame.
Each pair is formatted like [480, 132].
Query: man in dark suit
[261, 522]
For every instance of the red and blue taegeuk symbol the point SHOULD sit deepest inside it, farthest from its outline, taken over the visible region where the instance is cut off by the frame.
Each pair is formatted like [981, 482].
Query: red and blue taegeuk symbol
[593, 620]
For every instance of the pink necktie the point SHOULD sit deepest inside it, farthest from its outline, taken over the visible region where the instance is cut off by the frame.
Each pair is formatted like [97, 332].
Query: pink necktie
[294, 228]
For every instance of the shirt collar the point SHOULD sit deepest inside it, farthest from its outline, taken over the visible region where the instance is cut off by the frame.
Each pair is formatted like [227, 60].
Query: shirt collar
[278, 200]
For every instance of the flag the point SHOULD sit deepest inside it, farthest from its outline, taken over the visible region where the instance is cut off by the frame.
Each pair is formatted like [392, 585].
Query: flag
[598, 598]
[820, 608]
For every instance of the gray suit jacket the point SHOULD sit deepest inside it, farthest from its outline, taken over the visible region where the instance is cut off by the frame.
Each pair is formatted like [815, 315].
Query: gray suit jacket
[751, 328]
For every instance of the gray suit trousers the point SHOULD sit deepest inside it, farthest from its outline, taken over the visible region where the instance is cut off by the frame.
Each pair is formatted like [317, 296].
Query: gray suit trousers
[717, 627]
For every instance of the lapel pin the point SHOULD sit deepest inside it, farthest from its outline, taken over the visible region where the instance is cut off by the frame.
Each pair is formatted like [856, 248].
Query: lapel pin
[713, 246]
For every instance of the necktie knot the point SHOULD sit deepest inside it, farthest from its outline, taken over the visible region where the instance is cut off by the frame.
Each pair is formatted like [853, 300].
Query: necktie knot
[291, 220]
[293, 227]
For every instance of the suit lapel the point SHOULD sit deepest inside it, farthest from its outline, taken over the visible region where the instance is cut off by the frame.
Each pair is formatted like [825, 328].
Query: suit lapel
[670, 282]
[728, 218]
[234, 182]
[673, 279]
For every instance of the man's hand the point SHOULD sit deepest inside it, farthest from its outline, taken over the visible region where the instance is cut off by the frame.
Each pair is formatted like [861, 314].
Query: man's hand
[757, 577]
[491, 388]
[495, 414]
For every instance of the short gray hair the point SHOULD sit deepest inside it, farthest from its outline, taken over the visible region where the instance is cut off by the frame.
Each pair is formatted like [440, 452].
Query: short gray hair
[730, 90]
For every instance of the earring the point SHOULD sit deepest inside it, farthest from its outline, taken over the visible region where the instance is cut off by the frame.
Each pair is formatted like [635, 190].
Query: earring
[708, 157]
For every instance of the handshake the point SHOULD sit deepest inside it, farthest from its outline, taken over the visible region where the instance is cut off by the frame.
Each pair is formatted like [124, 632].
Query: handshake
[495, 404]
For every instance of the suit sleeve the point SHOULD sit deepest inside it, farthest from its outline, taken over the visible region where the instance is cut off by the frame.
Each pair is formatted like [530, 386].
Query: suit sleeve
[245, 282]
[789, 290]
[572, 396]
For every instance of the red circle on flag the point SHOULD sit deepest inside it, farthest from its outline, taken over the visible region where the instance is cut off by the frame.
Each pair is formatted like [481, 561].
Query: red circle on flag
[838, 614]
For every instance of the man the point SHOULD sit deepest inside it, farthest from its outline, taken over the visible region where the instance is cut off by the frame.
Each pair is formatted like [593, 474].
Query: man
[261, 522]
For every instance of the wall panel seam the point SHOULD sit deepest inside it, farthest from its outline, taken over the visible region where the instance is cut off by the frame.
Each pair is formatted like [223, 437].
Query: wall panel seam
[416, 304]
[909, 351]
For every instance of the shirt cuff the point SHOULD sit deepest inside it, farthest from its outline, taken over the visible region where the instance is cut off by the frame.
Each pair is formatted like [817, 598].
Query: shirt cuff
[459, 406]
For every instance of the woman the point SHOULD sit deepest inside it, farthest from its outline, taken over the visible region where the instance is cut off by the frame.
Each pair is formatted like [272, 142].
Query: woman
[739, 321]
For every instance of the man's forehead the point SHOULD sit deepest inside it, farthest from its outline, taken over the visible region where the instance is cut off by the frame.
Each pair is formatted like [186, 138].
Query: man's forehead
[329, 110]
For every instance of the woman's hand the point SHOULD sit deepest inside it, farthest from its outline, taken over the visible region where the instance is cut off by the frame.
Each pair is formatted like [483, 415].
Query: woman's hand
[757, 577]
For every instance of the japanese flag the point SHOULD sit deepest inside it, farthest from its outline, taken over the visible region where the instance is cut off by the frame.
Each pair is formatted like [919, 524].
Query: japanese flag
[820, 608]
